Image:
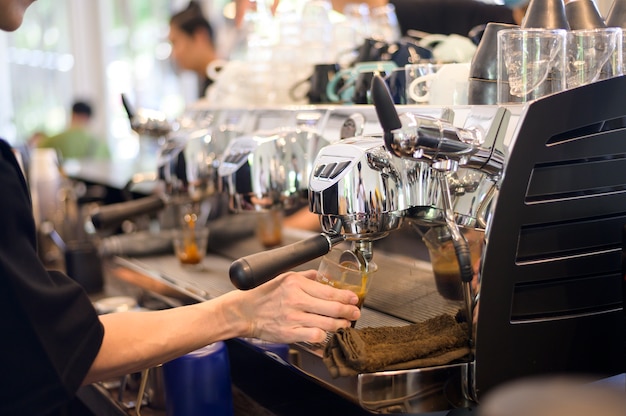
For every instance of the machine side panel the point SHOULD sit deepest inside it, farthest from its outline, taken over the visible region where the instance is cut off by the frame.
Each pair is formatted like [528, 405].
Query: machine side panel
[550, 292]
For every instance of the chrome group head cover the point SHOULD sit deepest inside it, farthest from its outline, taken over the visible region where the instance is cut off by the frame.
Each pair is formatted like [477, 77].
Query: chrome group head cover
[188, 160]
[270, 168]
[358, 182]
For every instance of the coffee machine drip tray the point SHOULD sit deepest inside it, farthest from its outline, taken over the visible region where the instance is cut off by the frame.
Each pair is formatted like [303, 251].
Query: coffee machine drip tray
[407, 290]
[402, 292]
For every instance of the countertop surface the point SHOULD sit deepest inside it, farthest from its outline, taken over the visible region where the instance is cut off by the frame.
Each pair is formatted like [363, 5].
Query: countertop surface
[403, 290]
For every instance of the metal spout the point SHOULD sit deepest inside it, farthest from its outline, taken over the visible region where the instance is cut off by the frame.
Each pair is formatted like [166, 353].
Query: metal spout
[433, 141]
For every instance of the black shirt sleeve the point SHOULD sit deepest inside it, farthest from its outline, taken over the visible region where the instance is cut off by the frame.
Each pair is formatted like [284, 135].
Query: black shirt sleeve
[50, 331]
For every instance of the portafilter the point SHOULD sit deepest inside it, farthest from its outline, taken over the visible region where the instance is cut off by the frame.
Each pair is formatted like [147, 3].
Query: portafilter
[187, 172]
[361, 192]
[269, 168]
[423, 169]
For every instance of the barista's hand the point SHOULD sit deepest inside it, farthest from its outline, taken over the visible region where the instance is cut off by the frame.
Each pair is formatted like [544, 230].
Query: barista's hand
[294, 307]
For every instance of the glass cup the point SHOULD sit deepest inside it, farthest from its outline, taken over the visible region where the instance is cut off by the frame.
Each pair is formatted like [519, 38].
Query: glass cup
[416, 91]
[593, 55]
[190, 245]
[531, 64]
[269, 228]
[444, 260]
[334, 272]
[447, 86]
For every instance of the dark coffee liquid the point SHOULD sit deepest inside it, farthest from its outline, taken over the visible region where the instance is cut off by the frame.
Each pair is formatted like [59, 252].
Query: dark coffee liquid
[449, 285]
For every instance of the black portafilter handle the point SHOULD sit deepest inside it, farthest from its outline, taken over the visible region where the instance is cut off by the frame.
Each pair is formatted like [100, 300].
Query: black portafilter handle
[254, 270]
[113, 214]
[385, 108]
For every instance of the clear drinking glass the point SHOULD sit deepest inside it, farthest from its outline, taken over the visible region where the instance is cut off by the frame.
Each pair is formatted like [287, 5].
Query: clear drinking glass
[190, 245]
[531, 64]
[593, 55]
[336, 272]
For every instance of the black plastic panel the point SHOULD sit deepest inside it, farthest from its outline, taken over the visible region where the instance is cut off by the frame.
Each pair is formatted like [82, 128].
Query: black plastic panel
[551, 298]
[566, 298]
[571, 237]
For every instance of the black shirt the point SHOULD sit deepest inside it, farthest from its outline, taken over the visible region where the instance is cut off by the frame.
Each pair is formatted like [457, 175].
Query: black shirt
[50, 332]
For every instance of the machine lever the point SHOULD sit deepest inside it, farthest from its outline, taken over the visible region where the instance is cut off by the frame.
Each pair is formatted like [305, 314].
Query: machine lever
[385, 108]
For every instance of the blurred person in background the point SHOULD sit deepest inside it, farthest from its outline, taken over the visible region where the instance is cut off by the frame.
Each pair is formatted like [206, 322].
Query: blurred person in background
[56, 342]
[193, 46]
[77, 142]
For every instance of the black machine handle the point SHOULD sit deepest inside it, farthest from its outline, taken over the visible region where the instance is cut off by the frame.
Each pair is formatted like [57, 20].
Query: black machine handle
[111, 215]
[253, 270]
[385, 108]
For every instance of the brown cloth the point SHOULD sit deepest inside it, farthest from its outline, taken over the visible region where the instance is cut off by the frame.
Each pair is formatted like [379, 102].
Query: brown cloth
[436, 341]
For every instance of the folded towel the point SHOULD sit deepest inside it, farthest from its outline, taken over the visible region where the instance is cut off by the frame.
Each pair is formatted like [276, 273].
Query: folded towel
[437, 341]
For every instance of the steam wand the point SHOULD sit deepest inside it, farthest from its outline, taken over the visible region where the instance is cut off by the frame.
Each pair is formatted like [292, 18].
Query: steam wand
[443, 149]
[461, 247]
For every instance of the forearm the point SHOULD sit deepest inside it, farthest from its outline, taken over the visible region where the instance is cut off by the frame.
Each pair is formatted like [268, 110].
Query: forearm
[137, 340]
[289, 308]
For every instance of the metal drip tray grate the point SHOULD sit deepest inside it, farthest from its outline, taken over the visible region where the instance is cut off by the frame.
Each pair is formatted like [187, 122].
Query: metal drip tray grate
[406, 289]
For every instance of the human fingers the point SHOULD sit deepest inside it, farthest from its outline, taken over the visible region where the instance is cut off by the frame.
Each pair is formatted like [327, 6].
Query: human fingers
[321, 291]
[310, 296]
[310, 274]
[287, 325]
[283, 307]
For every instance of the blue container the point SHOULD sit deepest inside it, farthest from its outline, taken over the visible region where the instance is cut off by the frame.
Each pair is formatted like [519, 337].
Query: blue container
[198, 383]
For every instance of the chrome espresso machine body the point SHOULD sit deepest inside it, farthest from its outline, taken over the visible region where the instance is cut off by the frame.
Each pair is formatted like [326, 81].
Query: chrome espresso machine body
[185, 179]
[544, 181]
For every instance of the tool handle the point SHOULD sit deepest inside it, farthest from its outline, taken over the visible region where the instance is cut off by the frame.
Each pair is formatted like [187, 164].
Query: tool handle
[253, 270]
[111, 215]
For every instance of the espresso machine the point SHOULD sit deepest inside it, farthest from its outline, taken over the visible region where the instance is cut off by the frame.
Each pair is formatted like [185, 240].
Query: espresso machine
[269, 168]
[185, 180]
[542, 182]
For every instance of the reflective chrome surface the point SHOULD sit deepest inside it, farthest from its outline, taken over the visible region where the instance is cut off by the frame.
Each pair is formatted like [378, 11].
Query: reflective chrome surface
[188, 160]
[269, 168]
[363, 192]
[359, 183]
[372, 190]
